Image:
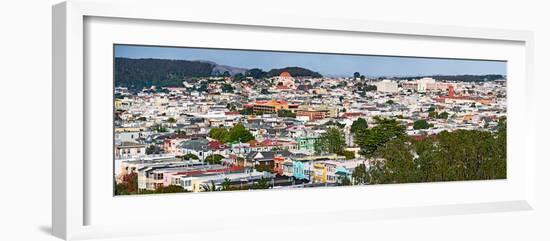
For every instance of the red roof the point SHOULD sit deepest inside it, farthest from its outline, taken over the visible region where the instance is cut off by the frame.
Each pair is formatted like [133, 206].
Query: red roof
[216, 145]
[270, 143]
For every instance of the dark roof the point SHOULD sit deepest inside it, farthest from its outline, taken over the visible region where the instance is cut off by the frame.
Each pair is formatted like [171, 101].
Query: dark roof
[195, 144]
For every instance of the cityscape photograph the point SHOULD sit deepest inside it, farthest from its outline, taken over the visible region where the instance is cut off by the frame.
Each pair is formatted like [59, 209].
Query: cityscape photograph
[188, 120]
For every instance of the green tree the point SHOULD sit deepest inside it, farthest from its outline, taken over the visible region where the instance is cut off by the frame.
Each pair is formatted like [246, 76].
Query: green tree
[359, 174]
[443, 115]
[286, 113]
[397, 165]
[219, 133]
[128, 184]
[226, 184]
[227, 88]
[256, 73]
[370, 88]
[263, 183]
[238, 77]
[190, 156]
[209, 187]
[171, 120]
[170, 189]
[384, 130]
[160, 128]
[449, 156]
[331, 142]
[335, 123]
[214, 159]
[246, 111]
[420, 125]
[231, 107]
[359, 124]
[500, 146]
[343, 181]
[239, 133]
[121, 189]
[180, 133]
[348, 154]
[356, 75]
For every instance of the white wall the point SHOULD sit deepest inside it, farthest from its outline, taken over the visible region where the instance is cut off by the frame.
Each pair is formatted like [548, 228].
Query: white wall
[26, 92]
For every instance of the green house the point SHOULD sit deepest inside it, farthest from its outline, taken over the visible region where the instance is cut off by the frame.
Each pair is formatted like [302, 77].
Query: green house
[306, 143]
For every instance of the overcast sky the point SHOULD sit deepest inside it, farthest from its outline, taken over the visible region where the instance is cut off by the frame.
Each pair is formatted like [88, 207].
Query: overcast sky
[326, 64]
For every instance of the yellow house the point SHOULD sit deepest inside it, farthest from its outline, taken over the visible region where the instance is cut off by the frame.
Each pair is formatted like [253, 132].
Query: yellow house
[319, 173]
[118, 104]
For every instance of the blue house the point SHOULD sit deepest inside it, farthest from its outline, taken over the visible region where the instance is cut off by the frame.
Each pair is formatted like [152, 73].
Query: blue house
[301, 169]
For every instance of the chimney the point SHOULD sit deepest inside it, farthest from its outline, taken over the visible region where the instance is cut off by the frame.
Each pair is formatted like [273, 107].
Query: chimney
[451, 91]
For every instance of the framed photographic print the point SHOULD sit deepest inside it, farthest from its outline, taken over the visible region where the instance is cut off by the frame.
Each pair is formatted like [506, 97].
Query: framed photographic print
[226, 119]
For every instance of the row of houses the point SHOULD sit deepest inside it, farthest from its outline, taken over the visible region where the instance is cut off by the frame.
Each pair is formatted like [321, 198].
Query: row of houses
[277, 167]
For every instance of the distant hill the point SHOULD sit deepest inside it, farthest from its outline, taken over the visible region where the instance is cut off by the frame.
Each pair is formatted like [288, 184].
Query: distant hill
[295, 72]
[220, 69]
[138, 73]
[462, 78]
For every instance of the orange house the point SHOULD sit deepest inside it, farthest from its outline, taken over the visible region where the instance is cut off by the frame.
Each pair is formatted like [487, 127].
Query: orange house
[278, 165]
[270, 106]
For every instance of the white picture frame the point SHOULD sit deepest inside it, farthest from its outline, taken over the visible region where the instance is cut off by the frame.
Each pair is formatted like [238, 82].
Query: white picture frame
[72, 194]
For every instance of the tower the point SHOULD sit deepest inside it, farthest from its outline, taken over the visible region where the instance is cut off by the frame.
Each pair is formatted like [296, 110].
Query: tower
[451, 91]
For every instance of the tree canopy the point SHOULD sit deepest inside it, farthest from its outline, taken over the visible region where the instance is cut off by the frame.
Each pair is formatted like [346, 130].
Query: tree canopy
[237, 133]
[448, 156]
[359, 124]
[331, 142]
[256, 73]
[384, 130]
[139, 73]
[286, 113]
[294, 71]
[420, 125]
[190, 156]
[214, 159]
